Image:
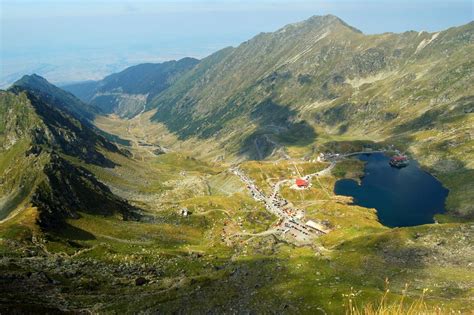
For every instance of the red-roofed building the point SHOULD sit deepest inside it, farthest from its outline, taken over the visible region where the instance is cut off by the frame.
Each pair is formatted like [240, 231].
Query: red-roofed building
[301, 182]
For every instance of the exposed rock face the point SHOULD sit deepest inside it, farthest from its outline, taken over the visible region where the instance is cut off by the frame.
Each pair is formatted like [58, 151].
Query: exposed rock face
[69, 189]
[39, 136]
[61, 130]
[117, 101]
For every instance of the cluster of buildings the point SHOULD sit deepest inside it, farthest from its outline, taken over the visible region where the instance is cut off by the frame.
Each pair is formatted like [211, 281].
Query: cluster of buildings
[290, 223]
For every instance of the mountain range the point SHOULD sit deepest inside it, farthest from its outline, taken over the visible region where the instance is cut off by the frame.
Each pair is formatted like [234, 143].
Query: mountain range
[129, 194]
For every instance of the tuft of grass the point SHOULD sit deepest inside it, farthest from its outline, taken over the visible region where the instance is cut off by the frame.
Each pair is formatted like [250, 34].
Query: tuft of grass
[386, 306]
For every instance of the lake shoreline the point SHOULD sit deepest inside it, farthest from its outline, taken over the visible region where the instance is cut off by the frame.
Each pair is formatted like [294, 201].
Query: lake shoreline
[407, 196]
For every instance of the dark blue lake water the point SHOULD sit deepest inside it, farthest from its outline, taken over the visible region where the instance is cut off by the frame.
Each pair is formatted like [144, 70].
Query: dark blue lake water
[403, 197]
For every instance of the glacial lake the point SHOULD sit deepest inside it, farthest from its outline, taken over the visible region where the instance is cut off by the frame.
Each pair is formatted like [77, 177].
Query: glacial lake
[403, 197]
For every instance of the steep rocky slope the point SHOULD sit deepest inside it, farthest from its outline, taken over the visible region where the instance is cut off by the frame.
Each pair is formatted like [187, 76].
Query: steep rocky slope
[60, 98]
[127, 92]
[42, 147]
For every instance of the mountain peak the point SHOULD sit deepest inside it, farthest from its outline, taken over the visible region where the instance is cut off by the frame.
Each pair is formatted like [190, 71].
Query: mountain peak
[61, 99]
[319, 22]
[329, 19]
[31, 80]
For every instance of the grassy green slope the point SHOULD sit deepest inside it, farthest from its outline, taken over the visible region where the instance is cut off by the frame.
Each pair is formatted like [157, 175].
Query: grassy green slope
[20, 168]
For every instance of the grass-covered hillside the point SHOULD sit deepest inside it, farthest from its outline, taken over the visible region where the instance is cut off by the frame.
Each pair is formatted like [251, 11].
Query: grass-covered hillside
[326, 70]
[19, 169]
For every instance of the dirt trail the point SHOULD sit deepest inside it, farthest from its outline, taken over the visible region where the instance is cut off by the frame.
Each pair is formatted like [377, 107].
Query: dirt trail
[212, 210]
[126, 241]
[254, 235]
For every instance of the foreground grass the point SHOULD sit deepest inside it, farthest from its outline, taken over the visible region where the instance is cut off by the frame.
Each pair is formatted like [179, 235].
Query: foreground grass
[385, 306]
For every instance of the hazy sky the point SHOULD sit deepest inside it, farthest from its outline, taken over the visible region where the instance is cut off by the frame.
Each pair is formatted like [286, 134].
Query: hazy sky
[72, 40]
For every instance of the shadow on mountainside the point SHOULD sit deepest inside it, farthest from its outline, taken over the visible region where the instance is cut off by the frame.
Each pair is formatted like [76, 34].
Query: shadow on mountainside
[407, 255]
[69, 190]
[445, 114]
[72, 233]
[276, 126]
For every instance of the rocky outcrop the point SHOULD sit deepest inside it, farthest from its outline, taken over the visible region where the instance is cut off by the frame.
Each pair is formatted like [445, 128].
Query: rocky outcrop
[68, 190]
[46, 145]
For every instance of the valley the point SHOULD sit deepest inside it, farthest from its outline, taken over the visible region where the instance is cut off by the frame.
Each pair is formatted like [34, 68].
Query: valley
[208, 186]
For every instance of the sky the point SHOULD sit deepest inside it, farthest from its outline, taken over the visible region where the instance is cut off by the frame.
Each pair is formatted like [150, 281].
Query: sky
[75, 40]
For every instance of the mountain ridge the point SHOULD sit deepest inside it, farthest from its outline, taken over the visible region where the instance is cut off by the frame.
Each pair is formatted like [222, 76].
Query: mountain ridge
[127, 92]
[43, 142]
[62, 99]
